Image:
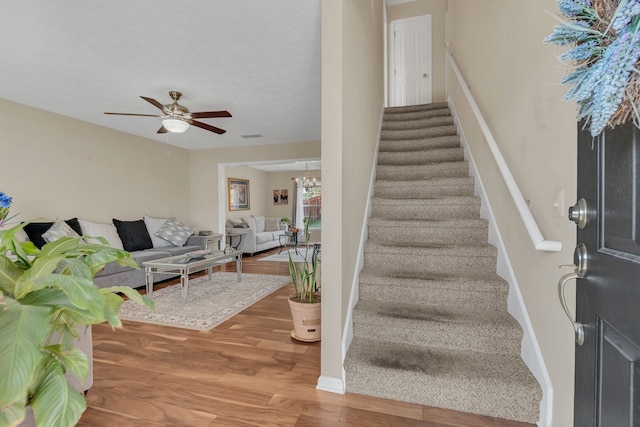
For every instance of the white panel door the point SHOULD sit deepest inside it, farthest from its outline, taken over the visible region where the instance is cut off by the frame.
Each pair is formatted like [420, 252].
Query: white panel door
[411, 61]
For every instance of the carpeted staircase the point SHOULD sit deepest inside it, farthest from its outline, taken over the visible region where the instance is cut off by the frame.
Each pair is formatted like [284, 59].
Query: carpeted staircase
[431, 326]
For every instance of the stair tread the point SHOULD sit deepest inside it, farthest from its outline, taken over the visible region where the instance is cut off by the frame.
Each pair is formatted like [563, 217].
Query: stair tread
[468, 381]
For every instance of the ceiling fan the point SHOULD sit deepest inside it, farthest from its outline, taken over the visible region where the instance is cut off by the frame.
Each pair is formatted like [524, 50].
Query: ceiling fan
[177, 118]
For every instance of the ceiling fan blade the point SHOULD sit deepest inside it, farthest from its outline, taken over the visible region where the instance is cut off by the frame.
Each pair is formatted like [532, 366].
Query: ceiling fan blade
[207, 127]
[162, 129]
[153, 102]
[210, 114]
[133, 114]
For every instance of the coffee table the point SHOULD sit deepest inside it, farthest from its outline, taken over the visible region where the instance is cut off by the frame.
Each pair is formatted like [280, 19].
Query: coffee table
[183, 265]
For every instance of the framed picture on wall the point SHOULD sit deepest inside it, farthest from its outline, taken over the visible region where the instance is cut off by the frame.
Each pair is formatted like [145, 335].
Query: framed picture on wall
[280, 197]
[239, 198]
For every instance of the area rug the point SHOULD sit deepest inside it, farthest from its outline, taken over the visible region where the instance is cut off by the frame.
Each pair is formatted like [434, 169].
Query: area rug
[284, 255]
[209, 302]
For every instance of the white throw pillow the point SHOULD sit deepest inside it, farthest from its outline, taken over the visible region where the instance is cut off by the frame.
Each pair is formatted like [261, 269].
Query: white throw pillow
[175, 232]
[272, 224]
[97, 229]
[250, 221]
[153, 225]
[58, 230]
[259, 223]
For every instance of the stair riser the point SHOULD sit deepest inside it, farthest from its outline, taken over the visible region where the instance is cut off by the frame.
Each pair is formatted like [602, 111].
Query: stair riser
[427, 212]
[415, 108]
[434, 297]
[492, 285]
[433, 263]
[458, 337]
[449, 141]
[421, 157]
[436, 170]
[416, 115]
[429, 236]
[417, 124]
[418, 133]
[422, 192]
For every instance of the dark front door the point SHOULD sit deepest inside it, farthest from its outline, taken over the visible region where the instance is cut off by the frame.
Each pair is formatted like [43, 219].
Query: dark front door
[607, 376]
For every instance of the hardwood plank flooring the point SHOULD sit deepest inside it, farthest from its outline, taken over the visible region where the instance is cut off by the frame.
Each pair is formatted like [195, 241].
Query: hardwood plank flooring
[245, 372]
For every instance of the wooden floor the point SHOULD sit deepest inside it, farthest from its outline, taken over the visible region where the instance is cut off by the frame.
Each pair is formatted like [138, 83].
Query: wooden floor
[245, 372]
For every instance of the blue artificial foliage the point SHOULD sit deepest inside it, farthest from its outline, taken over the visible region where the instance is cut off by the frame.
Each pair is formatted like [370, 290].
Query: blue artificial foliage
[603, 60]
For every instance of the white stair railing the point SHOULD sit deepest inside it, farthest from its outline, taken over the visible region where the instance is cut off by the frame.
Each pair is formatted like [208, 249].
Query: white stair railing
[529, 221]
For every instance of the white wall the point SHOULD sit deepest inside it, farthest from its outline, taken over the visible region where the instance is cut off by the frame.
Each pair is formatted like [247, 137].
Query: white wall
[54, 166]
[515, 78]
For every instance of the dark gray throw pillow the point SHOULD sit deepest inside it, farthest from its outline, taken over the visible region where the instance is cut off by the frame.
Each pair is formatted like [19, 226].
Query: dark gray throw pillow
[134, 235]
[35, 230]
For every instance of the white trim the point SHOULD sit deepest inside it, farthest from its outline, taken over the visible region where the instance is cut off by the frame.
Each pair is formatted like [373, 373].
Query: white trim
[539, 243]
[530, 350]
[330, 384]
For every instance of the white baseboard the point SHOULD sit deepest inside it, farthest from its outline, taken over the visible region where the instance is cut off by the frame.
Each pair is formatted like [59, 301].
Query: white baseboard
[330, 384]
[530, 350]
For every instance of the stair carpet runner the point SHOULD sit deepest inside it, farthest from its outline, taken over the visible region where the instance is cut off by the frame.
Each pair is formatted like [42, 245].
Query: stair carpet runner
[431, 326]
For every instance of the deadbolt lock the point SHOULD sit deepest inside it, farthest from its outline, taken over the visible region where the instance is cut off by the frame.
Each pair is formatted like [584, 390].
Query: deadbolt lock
[579, 213]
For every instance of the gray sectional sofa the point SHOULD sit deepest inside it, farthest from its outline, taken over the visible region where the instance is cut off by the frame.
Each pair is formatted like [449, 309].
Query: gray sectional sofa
[146, 239]
[116, 275]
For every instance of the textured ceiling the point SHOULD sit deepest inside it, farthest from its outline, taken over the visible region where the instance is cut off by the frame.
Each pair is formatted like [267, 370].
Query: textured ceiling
[260, 60]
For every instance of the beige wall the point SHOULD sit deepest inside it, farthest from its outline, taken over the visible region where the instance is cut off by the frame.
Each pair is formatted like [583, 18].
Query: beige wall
[352, 93]
[514, 78]
[281, 181]
[54, 166]
[257, 191]
[208, 190]
[437, 9]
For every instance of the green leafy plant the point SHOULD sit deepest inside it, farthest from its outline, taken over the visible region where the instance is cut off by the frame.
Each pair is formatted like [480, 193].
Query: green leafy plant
[46, 296]
[286, 220]
[303, 275]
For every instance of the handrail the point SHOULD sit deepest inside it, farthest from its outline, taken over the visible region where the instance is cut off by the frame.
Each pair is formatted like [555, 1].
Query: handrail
[539, 243]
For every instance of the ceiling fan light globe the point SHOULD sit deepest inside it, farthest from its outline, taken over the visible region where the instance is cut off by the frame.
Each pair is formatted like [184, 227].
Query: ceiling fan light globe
[175, 125]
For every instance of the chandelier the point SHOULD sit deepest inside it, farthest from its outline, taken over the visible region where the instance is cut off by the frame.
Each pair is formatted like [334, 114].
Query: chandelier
[305, 181]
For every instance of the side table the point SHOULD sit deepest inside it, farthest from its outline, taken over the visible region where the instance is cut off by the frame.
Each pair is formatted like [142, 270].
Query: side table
[288, 239]
[230, 240]
[211, 239]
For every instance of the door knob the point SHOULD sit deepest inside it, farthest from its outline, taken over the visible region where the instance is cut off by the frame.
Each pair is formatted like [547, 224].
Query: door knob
[581, 266]
[579, 213]
[578, 328]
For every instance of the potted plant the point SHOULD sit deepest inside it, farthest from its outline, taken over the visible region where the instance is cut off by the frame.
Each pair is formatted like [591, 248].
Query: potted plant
[287, 221]
[47, 296]
[305, 302]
